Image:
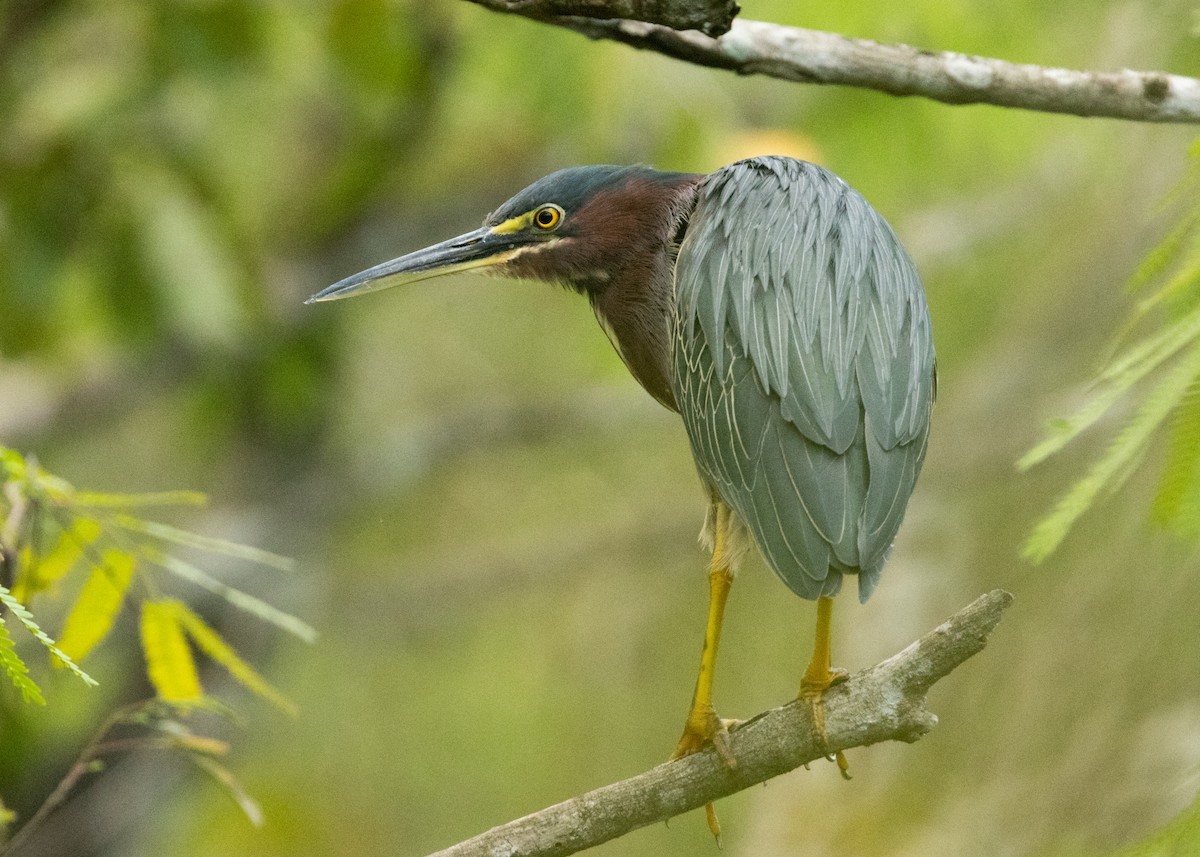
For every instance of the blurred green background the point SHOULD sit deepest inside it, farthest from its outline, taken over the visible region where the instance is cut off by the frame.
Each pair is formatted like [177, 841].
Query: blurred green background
[496, 526]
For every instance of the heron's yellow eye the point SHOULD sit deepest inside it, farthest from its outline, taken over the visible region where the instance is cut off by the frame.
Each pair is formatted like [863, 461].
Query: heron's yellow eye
[547, 217]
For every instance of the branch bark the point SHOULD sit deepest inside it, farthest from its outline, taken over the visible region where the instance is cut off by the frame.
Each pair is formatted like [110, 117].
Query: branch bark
[712, 17]
[812, 56]
[883, 703]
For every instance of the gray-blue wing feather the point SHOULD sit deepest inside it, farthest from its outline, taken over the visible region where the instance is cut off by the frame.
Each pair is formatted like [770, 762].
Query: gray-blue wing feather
[803, 367]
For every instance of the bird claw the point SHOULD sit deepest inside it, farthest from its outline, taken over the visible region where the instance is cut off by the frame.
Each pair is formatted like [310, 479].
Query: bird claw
[714, 824]
[812, 688]
[705, 727]
[843, 766]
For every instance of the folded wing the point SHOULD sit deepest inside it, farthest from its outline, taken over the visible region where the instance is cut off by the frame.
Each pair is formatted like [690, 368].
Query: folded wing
[803, 367]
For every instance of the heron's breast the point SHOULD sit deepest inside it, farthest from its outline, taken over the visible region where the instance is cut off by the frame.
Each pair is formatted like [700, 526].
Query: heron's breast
[637, 321]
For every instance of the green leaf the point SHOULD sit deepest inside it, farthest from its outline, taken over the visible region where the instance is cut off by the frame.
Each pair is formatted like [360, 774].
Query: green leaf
[192, 540]
[18, 673]
[96, 608]
[133, 501]
[213, 645]
[26, 619]
[169, 662]
[1109, 471]
[239, 599]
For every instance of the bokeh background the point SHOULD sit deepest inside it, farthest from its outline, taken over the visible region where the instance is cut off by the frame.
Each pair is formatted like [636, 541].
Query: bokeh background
[496, 527]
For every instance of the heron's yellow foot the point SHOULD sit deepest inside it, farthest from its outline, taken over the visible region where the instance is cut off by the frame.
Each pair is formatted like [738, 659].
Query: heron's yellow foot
[703, 726]
[813, 687]
[816, 682]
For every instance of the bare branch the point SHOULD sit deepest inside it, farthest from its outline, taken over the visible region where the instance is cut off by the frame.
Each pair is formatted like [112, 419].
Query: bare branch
[883, 703]
[811, 56]
[712, 17]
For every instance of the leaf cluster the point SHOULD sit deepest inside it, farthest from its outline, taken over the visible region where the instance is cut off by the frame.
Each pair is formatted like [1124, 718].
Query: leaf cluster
[53, 533]
[1161, 369]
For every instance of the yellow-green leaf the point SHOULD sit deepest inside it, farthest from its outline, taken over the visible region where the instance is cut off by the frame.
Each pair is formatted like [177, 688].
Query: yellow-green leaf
[213, 645]
[130, 501]
[66, 552]
[21, 587]
[98, 604]
[169, 661]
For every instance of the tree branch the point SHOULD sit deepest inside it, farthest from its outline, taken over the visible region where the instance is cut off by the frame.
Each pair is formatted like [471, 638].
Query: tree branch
[883, 703]
[712, 17]
[811, 56]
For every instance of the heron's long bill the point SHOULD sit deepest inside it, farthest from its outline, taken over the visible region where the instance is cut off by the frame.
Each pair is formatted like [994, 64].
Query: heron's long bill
[477, 249]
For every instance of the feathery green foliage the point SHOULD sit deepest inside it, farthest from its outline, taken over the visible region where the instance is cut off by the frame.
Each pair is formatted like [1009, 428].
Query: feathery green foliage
[1177, 504]
[18, 673]
[26, 619]
[121, 554]
[1167, 360]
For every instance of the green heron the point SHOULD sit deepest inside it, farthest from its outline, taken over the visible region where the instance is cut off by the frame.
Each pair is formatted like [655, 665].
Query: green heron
[776, 311]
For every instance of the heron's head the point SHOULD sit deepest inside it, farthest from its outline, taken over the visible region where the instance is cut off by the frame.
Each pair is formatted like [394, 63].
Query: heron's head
[581, 227]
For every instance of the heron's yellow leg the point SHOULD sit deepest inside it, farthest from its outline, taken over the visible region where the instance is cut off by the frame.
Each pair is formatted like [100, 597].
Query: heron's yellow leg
[820, 675]
[703, 724]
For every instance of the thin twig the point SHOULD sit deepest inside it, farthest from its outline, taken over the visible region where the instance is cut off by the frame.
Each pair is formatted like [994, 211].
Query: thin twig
[883, 703]
[67, 783]
[93, 751]
[812, 56]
